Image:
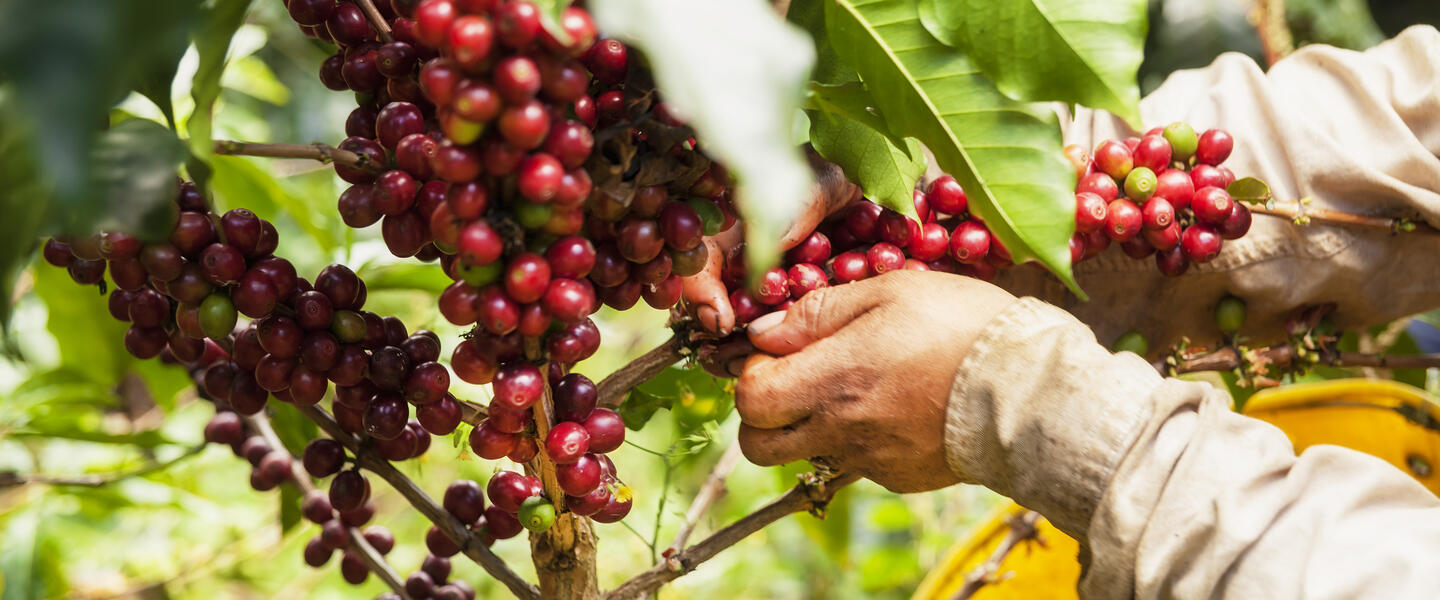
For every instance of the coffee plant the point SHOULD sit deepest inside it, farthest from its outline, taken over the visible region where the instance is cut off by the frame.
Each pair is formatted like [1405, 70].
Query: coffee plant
[547, 160]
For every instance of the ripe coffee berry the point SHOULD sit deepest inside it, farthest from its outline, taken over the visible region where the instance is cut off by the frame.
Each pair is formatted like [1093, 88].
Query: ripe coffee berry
[1212, 205]
[946, 196]
[1175, 186]
[1099, 184]
[1200, 242]
[1214, 147]
[1113, 159]
[1158, 213]
[1090, 212]
[970, 243]
[1153, 153]
[567, 442]
[1123, 220]
[883, 258]
[518, 385]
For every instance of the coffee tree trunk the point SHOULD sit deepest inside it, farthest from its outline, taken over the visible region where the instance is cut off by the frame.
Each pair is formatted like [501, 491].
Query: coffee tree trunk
[564, 558]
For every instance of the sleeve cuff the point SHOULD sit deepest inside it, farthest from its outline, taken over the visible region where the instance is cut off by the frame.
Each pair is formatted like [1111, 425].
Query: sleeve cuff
[1043, 414]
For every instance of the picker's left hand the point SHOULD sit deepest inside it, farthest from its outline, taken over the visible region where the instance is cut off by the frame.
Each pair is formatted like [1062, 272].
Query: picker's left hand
[860, 375]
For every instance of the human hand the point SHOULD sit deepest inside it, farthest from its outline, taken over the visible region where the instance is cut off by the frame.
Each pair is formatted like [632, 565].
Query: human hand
[860, 375]
[704, 293]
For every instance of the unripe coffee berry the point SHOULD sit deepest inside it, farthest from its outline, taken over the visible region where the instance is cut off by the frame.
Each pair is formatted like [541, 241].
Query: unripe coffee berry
[1182, 140]
[1140, 184]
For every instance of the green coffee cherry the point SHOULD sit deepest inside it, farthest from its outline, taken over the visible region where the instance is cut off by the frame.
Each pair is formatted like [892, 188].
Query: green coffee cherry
[348, 326]
[537, 513]
[711, 218]
[1230, 315]
[531, 215]
[217, 316]
[1182, 140]
[1140, 184]
[479, 276]
[1131, 342]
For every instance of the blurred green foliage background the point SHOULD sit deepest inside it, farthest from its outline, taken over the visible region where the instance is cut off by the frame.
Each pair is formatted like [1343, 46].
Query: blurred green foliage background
[75, 403]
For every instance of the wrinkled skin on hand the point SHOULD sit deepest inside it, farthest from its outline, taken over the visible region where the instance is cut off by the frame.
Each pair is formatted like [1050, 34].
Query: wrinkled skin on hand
[859, 375]
[706, 296]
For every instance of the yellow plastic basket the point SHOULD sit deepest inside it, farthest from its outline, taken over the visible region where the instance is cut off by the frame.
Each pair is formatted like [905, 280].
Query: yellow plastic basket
[1393, 421]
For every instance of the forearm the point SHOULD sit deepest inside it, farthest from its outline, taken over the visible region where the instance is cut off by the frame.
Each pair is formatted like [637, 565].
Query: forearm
[1175, 495]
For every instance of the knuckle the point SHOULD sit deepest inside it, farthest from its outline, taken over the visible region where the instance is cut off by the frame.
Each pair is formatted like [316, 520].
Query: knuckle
[753, 447]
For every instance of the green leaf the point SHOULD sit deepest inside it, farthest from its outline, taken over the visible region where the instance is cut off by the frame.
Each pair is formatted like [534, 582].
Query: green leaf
[404, 276]
[885, 172]
[742, 103]
[290, 515]
[89, 339]
[639, 407]
[65, 63]
[212, 42]
[693, 396]
[550, 11]
[157, 77]
[30, 557]
[884, 165]
[1250, 191]
[1007, 155]
[294, 430]
[849, 100]
[134, 171]
[1074, 51]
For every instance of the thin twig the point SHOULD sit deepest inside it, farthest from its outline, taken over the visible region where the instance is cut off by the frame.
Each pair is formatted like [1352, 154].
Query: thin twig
[612, 389]
[377, 20]
[1300, 215]
[320, 152]
[1022, 528]
[374, 561]
[469, 544]
[710, 491]
[1283, 356]
[11, 478]
[810, 495]
[1268, 16]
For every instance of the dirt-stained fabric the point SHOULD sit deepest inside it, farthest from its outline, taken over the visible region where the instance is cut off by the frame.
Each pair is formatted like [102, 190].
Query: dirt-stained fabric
[1173, 494]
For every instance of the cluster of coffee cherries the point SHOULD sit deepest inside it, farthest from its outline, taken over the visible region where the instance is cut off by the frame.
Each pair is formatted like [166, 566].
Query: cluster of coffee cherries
[576, 441]
[1163, 194]
[273, 467]
[866, 240]
[183, 297]
[477, 128]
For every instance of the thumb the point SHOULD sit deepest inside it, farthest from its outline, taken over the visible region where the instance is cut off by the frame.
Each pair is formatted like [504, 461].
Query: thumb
[817, 315]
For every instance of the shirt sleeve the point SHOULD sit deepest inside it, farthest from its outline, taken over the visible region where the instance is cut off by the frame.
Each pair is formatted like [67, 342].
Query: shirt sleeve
[1353, 131]
[1172, 494]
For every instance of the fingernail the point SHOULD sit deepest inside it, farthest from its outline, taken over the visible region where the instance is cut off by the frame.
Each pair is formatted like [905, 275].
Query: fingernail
[765, 323]
[709, 319]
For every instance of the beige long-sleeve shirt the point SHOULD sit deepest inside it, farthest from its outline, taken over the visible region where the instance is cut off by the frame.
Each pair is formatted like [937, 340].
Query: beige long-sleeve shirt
[1171, 493]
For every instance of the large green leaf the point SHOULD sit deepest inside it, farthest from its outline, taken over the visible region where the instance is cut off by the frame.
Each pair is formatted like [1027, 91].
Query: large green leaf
[1074, 51]
[1007, 155]
[134, 172]
[884, 165]
[887, 173]
[741, 102]
[64, 63]
[212, 42]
